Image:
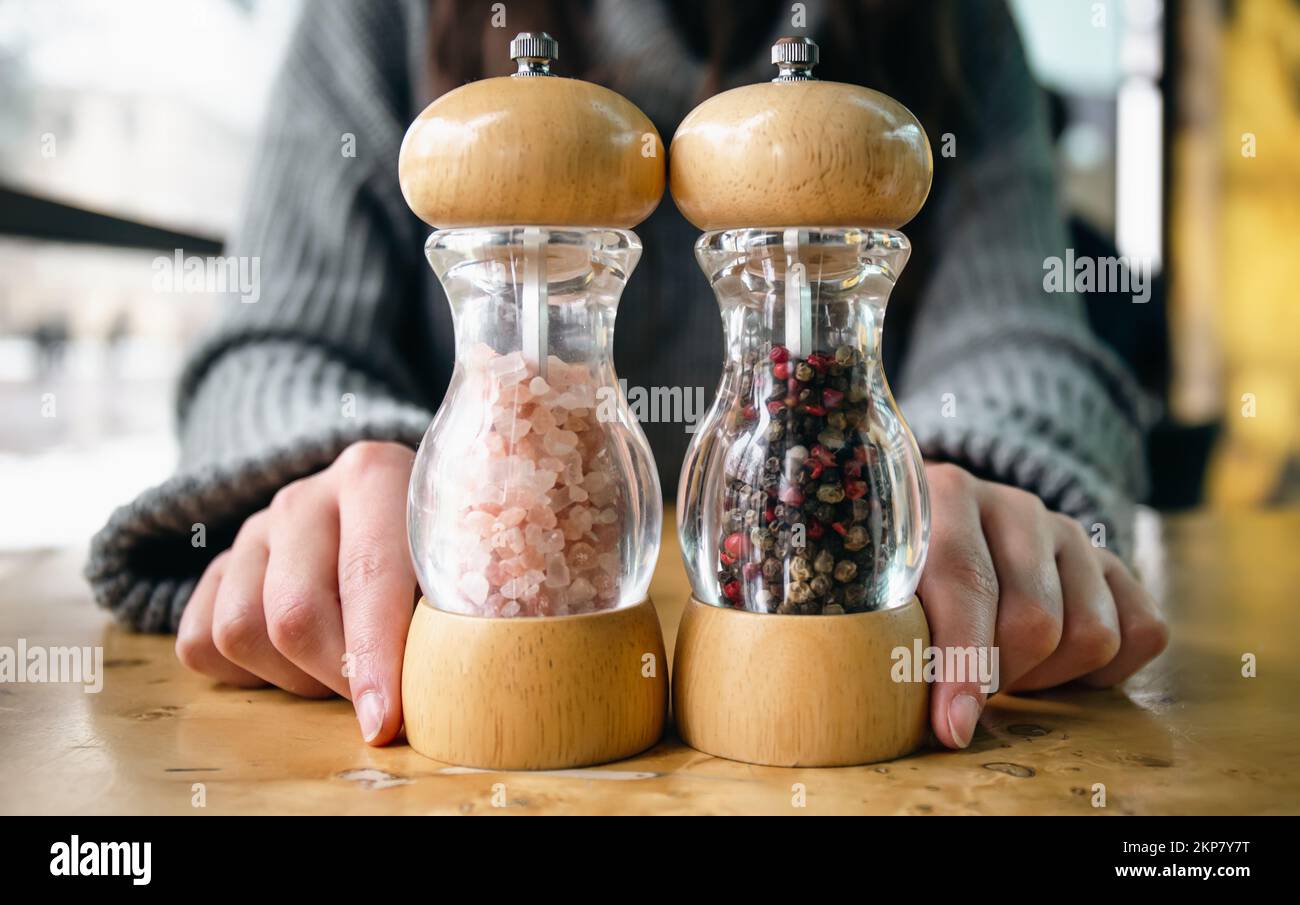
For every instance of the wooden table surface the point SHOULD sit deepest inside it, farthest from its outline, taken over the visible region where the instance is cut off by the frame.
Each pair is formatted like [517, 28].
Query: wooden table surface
[1189, 734]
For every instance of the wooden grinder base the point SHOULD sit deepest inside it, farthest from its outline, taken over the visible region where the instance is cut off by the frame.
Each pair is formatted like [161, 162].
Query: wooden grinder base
[534, 693]
[798, 691]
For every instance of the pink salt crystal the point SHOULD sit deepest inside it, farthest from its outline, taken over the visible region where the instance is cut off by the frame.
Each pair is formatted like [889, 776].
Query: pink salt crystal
[580, 589]
[478, 356]
[604, 497]
[513, 588]
[577, 523]
[580, 555]
[511, 517]
[557, 571]
[475, 587]
[538, 386]
[552, 541]
[514, 567]
[510, 609]
[517, 429]
[542, 517]
[478, 558]
[478, 522]
[511, 538]
[577, 494]
[608, 563]
[607, 516]
[604, 584]
[533, 558]
[508, 369]
[559, 442]
[543, 419]
[573, 471]
[495, 444]
[596, 481]
[530, 447]
[557, 370]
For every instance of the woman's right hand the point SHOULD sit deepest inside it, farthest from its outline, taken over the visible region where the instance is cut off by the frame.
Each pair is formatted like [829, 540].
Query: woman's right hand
[315, 595]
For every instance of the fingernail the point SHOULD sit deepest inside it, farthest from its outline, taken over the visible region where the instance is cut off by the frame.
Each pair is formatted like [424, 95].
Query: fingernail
[963, 714]
[370, 714]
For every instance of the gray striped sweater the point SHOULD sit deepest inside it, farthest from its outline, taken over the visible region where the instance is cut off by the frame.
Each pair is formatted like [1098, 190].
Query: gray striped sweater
[350, 309]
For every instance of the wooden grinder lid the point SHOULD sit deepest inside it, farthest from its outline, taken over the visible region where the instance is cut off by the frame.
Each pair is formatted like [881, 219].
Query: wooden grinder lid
[800, 152]
[532, 149]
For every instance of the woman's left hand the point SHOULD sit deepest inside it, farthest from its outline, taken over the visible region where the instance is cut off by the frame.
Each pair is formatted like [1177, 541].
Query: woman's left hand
[1005, 571]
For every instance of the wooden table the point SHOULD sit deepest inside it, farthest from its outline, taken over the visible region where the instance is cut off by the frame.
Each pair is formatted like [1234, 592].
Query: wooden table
[1187, 735]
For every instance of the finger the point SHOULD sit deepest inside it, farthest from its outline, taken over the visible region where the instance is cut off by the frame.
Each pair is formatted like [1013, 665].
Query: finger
[1022, 543]
[1143, 631]
[238, 623]
[960, 593]
[376, 581]
[194, 645]
[300, 596]
[1090, 634]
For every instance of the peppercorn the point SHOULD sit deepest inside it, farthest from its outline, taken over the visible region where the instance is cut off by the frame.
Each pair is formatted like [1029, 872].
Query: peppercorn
[855, 538]
[830, 493]
[800, 569]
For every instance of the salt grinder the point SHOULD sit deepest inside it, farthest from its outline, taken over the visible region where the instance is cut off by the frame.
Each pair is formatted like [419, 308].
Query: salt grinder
[535, 507]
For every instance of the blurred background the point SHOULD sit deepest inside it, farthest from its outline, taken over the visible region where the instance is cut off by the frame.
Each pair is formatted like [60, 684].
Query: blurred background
[126, 130]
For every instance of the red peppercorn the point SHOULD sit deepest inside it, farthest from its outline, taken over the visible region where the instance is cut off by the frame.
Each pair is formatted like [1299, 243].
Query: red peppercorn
[855, 490]
[751, 570]
[734, 544]
[779, 354]
[781, 370]
[815, 410]
[832, 399]
[815, 529]
[726, 560]
[750, 413]
[839, 528]
[791, 495]
[815, 468]
[820, 363]
[769, 514]
[853, 468]
[731, 590]
[793, 387]
[823, 455]
[774, 407]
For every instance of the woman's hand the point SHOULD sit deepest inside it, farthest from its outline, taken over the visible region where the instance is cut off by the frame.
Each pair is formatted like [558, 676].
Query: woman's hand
[316, 593]
[1003, 570]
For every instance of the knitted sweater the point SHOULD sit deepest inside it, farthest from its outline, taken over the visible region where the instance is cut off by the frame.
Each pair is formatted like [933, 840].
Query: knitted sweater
[352, 339]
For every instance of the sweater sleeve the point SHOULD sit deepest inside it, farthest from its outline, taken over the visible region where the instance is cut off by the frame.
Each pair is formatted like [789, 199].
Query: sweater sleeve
[285, 383]
[1001, 376]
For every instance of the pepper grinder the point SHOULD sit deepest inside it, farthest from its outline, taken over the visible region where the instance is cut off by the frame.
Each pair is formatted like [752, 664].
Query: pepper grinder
[802, 512]
[534, 510]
